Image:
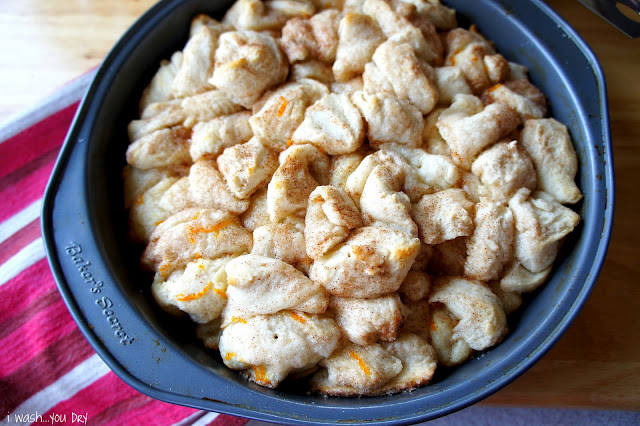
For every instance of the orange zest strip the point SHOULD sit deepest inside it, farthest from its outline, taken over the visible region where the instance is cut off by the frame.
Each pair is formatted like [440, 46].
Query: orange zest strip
[261, 375]
[197, 215]
[492, 88]
[361, 362]
[220, 293]
[214, 228]
[238, 319]
[158, 222]
[289, 142]
[402, 252]
[182, 298]
[197, 256]
[453, 57]
[163, 269]
[283, 106]
[298, 318]
[223, 224]
[201, 266]
[229, 355]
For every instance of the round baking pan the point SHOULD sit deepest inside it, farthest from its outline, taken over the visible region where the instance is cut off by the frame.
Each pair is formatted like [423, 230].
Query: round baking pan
[96, 268]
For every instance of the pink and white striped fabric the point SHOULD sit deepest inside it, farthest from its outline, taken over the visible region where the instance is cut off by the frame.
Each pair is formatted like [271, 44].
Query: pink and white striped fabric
[48, 371]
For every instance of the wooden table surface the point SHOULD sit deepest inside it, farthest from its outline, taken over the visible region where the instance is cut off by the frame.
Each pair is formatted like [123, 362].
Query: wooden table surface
[45, 43]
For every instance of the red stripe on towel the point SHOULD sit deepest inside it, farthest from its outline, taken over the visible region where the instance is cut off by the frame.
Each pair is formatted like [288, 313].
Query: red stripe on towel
[40, 342]
[25, 191]
[29, 144]
[42, 370]
[23, 290]
[225, 420]
[19, 240]
[119, 404]
[25, 315]
[43, 329]
[110, 391]
[148, 411]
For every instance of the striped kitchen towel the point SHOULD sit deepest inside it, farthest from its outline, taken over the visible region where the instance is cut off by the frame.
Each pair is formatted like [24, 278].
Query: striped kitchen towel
[48, 371]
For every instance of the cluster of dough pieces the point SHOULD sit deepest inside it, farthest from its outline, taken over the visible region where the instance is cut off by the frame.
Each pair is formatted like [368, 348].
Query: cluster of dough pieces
[346, 191]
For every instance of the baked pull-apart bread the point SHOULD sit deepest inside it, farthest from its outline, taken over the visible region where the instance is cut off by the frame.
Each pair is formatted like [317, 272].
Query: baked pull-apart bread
[541, 224]
[162, 148]
[279, 112]
[358, 37]
[313, 69]
[427, 173]
[207, 106]
[549, 145]
[247, 64]
[374, 260]
[146, 212]
[383, 201]
[259, 285]
[395, 69]
[444, 216]
[482, 321]
[389, 119]
[210, 138]
[333, 124]
[426, 45]
[503, 169]
[450, 82]
[468, 127]
[302, 168]
[207, 188]
[283, 241]
[490, 247]
[159, 89]
[197, 63]
[365, 321]
[315, 37]
[330, 218]
[346, 193]
[270, 15]
[521, 96]
[427, 12]
[246, 167]
[378, 369]
[156, 116]
[198, 290]
[267, 348]
[194, 233]
[450, 349]
[477, 59]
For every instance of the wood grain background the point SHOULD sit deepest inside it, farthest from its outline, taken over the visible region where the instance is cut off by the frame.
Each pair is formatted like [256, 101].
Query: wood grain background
[46, 43]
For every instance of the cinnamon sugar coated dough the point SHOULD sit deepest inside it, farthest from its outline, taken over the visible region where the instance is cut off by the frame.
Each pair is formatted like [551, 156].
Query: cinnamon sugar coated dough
[346, 193]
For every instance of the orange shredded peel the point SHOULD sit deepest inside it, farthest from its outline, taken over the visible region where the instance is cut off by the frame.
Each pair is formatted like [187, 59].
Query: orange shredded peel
[189, 297]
